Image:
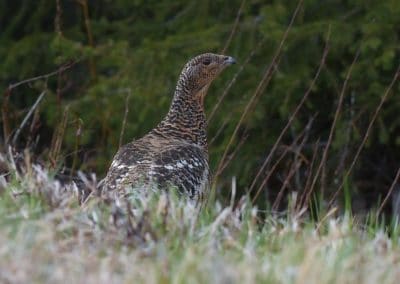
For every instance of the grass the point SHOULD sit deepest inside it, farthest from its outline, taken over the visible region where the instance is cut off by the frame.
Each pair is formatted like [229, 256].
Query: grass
[48, 236]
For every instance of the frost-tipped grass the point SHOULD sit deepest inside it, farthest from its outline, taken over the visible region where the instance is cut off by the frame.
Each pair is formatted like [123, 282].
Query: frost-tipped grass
[48, 235]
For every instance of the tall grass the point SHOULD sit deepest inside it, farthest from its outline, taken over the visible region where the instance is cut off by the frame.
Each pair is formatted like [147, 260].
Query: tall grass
[48, 235]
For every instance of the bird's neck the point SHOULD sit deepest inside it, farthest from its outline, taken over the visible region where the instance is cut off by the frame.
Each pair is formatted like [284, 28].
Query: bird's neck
[186, 118]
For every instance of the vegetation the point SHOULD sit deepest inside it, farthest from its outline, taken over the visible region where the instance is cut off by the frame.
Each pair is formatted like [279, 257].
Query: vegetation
[118, 61]
[47, 236]
[303, 132]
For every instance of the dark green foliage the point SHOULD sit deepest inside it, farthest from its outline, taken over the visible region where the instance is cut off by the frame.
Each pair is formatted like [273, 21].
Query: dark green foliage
[139, 47]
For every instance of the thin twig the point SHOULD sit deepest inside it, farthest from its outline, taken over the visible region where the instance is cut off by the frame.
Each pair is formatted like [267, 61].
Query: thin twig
[303, 100]
[367, 133]
[33, 108]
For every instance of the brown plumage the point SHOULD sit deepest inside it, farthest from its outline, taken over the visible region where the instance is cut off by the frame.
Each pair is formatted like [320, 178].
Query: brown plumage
[175, 153]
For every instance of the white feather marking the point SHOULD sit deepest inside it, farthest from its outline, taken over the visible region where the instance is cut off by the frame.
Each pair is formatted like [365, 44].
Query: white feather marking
[115, 163]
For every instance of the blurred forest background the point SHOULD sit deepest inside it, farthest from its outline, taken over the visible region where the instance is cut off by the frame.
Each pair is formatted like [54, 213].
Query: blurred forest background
[311, 107]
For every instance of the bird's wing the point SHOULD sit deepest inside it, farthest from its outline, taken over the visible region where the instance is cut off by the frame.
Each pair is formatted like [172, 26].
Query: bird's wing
[184, 166]
[129, 165]
[165, 163]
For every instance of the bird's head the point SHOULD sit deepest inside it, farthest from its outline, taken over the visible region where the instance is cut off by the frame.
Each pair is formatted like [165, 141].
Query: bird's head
[200, 71]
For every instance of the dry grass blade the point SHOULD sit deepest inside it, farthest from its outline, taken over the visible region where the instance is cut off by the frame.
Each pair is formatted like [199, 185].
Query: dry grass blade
[121, 136]
[261, 86]
[366, 135]
[57, 139]
[229, 86]
[234, 28]
[220, 129]
[160, 239]
[296, 164]
[305, 197]
[273, 168]
[233, 154]
[32, 109]
[7, 94]
[285, 183]
[333, 126]
[292, 117]
[395, 180]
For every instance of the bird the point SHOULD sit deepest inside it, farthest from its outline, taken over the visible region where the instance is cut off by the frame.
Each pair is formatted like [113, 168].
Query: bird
[175, 153]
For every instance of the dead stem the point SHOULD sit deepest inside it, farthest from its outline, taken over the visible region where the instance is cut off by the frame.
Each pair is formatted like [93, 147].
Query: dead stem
[261, 86]
[367, 133]
[272, 170]
[58, 137]
[333, 126]
[25, 120]
[301, 103]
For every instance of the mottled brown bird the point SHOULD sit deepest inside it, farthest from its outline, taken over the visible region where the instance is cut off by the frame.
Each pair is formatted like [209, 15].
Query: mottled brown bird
[175, 153]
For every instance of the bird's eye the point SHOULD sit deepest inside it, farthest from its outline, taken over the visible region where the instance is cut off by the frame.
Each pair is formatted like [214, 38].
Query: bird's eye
[206, 61]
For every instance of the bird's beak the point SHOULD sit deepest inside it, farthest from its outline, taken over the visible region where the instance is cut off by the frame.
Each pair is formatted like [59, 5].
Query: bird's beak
[229, 60]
